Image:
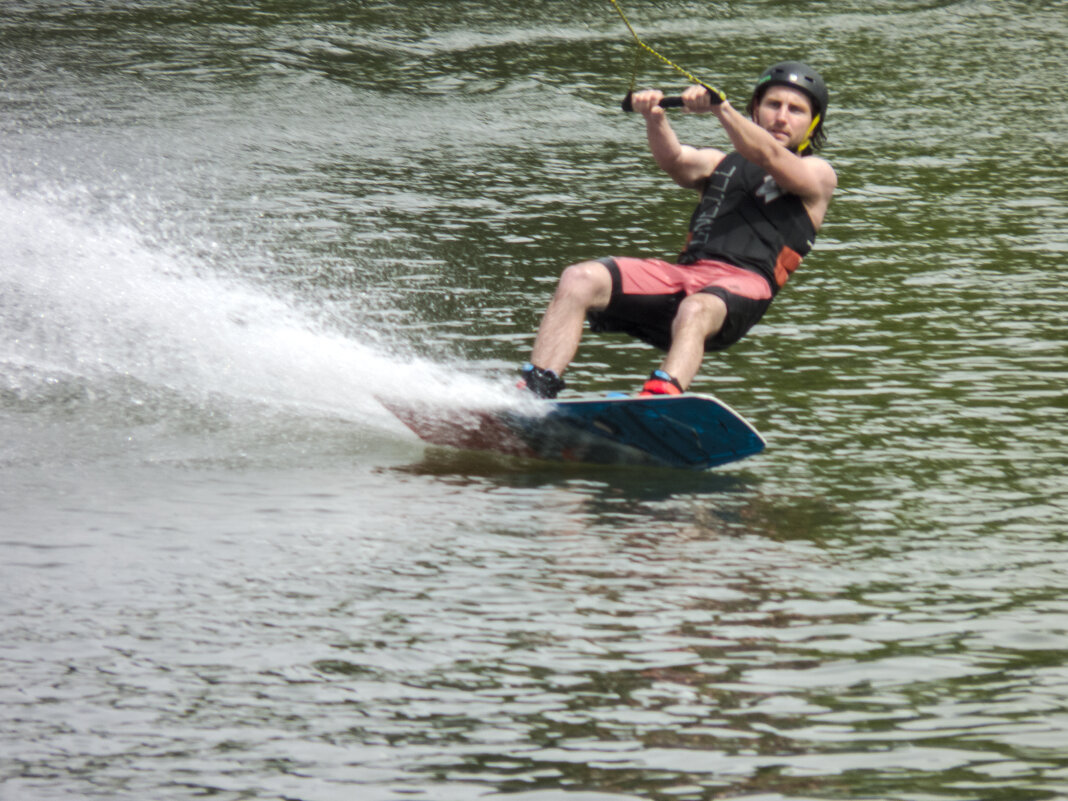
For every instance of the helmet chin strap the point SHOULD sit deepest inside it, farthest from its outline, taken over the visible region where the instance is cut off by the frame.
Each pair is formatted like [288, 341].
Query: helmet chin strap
[808, 135]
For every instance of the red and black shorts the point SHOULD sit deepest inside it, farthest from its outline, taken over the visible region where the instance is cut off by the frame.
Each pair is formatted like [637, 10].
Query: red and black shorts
[646, 294]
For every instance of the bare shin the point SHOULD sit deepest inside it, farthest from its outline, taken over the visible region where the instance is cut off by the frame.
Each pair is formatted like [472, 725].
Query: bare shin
[583, 286]
[699, 316]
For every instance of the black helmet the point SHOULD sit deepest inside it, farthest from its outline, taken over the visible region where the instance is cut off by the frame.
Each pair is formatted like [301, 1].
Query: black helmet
[799, 76]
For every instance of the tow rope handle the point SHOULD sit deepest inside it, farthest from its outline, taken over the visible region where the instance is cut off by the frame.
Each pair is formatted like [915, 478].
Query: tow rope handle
[674, 101]
[665, 102]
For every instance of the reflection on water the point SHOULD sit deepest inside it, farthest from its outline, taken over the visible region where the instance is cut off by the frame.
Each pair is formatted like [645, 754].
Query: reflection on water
[230, 572]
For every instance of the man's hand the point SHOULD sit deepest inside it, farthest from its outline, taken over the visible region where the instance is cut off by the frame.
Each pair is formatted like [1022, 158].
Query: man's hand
[645, 103]
[698, 100]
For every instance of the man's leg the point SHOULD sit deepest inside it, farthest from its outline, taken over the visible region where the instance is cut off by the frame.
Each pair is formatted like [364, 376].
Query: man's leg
[700, 316]
[583, 286]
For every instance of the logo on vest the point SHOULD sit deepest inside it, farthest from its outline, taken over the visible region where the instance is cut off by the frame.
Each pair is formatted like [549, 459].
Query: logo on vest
[769, 190]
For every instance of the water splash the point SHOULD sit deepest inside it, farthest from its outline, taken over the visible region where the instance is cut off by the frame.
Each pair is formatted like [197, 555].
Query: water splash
[88, 299]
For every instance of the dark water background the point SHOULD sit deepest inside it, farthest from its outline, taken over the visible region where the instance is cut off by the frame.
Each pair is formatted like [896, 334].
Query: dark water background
[227, 572]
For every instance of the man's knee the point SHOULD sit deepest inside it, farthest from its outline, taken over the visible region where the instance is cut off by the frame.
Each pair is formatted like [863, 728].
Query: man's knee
[588, 282]
[702, 311]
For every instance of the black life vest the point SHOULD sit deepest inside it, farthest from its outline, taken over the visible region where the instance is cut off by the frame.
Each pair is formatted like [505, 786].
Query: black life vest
[745, 219]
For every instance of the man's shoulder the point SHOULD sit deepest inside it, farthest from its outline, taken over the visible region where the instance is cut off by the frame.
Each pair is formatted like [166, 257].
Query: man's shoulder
[825, 172]
[704, 161]
[714, 157]
[820, 163]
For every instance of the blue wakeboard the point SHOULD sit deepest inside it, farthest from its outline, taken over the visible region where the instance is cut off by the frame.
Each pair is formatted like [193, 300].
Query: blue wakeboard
[688, 431]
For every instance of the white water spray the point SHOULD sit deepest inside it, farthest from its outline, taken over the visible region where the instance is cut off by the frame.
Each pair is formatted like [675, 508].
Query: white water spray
[90, 298]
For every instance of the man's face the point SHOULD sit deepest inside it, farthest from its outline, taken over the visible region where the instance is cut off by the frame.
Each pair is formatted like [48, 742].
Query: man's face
[785, 113]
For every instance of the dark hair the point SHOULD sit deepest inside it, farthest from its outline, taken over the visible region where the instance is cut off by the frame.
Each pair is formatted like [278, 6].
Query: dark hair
[803, 78]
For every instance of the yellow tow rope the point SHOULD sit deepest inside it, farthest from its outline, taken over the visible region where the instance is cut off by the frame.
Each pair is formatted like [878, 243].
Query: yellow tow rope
[693, 78]
[808, 134]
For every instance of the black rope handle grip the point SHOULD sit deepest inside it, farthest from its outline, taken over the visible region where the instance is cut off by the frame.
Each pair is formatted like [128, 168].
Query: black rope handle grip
[673, 101]
[665, 102]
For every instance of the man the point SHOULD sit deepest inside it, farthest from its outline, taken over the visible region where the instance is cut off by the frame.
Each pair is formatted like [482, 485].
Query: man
[759, 210]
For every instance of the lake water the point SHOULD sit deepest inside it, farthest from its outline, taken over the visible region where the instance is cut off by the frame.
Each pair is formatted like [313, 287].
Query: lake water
[228, 572]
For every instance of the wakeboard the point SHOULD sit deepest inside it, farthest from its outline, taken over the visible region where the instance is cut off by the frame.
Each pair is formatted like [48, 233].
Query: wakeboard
[690, 431]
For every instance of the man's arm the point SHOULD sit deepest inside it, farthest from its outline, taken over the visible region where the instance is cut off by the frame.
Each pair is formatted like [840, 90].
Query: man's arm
[686, 165]
[809, 177]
